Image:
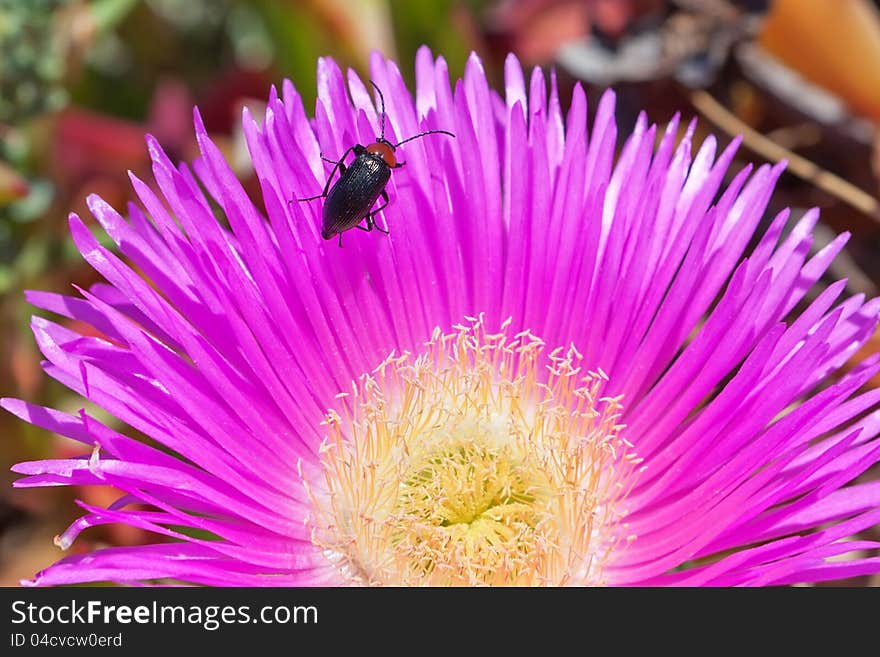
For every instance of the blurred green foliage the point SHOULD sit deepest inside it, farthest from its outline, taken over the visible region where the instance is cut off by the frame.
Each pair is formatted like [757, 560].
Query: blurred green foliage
[31, 64]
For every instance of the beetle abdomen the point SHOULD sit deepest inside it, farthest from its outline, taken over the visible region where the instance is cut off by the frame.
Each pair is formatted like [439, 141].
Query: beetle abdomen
[354, 194]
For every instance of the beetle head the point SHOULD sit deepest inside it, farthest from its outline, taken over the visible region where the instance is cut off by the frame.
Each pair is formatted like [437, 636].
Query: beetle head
[384, 149]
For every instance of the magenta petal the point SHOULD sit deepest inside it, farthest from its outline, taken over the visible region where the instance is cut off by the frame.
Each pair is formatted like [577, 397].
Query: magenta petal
[226, 346]
[175, 561]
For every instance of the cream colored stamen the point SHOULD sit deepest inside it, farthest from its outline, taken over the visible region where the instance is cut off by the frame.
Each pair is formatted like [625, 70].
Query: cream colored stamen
[464, 467]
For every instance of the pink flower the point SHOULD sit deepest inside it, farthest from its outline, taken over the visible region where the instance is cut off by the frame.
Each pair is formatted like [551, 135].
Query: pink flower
[565, 370]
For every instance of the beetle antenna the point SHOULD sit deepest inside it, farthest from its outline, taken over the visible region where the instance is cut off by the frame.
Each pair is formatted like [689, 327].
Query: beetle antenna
[382, 98]
[422, 134]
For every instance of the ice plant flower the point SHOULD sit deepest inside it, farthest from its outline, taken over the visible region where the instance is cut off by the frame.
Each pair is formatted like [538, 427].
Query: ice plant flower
[564, 365]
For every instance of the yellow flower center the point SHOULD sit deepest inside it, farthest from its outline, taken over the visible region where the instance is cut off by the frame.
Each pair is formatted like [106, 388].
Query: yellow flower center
[465, 467]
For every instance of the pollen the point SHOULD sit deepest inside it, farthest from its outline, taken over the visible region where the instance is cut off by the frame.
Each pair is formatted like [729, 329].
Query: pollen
[485, 460]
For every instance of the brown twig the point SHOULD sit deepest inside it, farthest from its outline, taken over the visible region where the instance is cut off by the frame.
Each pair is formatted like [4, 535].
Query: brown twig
[797, 165]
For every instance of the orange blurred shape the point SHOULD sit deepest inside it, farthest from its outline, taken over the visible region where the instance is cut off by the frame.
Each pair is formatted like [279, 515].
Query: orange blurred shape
[834, 43]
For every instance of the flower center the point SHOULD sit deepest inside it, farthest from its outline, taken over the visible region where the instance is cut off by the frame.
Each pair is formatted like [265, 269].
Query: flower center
[465, 467]
[470, 506]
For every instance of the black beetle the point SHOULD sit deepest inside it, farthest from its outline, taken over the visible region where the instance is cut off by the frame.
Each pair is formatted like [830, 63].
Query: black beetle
[361, 183]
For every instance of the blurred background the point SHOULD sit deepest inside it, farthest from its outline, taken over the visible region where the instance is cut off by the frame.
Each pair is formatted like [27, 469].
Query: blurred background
[81, 81]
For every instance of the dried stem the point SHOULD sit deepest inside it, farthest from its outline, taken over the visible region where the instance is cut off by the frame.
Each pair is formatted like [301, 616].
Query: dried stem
[797, 165]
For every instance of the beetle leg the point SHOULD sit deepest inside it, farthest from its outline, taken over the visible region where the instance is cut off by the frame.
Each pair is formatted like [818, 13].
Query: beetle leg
[384, 195]
[371, 221]
[371, 224]
[340, 240]
[399, 164]
[338, 165]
